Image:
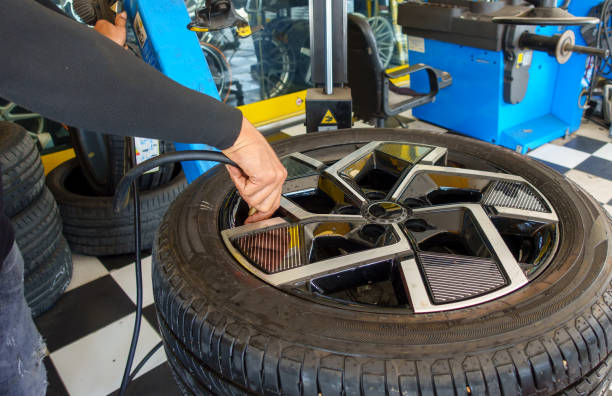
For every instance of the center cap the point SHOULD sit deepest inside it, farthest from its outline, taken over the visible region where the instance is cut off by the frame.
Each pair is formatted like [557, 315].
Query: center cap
[385, 212]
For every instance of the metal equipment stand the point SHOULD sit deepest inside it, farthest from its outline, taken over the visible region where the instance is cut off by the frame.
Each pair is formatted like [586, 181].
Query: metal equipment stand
[328, 105]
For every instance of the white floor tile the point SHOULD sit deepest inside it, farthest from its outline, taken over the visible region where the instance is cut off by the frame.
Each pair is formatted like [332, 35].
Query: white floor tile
[295, 130]
[594, 131]
[94, 364]
[609, 209]
[599, 188]
[559, 155]
[604, 152]
[126, 278]
[85, 269]
[361, 124]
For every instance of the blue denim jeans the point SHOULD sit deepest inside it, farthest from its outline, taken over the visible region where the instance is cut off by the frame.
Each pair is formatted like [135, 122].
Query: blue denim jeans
[22, 349]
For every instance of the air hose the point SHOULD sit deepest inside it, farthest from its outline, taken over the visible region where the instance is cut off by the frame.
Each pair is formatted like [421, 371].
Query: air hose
[121, 200]
[121, 192]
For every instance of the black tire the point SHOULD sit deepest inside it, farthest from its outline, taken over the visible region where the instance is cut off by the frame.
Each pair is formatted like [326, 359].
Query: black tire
[44, 286]
[38, 229]
[595, 383]
[101, 158]
[89, 222]
[91, 150]
[22, 171]
[148, 181]
[228, 332]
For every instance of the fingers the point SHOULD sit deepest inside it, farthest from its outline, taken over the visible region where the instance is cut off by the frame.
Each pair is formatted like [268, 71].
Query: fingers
[116, 32]
[258, 216]
[261, 175]
[237, 177]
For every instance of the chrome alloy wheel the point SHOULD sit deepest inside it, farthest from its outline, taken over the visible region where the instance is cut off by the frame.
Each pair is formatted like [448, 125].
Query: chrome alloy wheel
[397, 225]
[11, 112]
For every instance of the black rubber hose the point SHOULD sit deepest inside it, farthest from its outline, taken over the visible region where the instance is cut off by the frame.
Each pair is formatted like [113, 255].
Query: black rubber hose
[120, 200]
[144, 360]
[121, 192]
[138, 268]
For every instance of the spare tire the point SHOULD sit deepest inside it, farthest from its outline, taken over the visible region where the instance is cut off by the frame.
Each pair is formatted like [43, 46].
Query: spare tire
[101, 159]
[90, 224]
[45, 284]
[22, 172]
[148, 181]
[400, 262]
[38, 230]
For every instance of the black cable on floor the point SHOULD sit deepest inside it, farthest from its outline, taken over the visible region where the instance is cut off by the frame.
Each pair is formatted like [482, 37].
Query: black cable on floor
[144, 360]
[120, 199]
[138, 269]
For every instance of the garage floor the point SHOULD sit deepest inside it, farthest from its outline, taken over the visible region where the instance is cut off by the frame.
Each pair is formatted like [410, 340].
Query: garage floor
[89, 330]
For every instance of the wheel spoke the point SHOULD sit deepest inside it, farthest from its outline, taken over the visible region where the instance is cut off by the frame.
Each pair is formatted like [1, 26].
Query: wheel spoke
[472, 278]
[23, 116]
[285, 253]
[374, 170]
[507, 195]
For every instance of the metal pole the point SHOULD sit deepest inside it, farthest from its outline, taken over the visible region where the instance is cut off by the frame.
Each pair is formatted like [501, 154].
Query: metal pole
[329, 64]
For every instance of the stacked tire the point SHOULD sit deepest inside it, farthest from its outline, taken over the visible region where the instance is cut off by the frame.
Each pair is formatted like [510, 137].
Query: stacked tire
[35, 218]
[90, 224]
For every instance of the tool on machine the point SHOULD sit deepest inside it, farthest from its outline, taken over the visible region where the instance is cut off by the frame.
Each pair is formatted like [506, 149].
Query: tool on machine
[561, 46]
[90, 11]
[220, 14]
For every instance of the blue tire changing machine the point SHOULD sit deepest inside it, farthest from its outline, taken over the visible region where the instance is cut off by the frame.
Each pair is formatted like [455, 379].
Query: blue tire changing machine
[478, 103]
[166, 44]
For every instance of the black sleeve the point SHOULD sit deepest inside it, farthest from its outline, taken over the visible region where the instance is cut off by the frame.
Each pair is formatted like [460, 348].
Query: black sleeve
[70, 73]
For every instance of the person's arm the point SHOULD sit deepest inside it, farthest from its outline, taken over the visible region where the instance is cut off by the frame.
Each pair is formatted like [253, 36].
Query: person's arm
[70, 73]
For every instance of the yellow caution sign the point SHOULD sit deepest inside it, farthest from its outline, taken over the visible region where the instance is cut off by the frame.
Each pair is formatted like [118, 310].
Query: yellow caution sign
[328, 118]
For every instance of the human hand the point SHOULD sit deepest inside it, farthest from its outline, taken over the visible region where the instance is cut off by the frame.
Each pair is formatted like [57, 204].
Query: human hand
[115, 32]
[261, 175]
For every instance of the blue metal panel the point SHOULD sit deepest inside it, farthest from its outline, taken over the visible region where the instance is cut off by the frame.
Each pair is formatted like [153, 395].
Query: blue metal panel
[169, 46]
[474, 104]
[465, 105]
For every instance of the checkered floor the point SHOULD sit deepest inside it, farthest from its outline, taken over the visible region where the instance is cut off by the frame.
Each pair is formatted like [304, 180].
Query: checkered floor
[89, 330]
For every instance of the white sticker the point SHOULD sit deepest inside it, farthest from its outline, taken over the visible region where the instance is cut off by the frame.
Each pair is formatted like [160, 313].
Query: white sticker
[146, 149]
[141, 34]
[416, 44]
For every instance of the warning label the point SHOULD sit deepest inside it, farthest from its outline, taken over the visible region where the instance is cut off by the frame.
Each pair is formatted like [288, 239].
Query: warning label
[141, 33]
[328, 118]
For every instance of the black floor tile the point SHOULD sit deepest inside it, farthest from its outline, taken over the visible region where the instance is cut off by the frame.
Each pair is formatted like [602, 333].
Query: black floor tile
[597, 166]
[585, 144]
[158, 381]
[56, 386]
[120, 261]
[558, 168]
[82, 311]
[151, 316]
